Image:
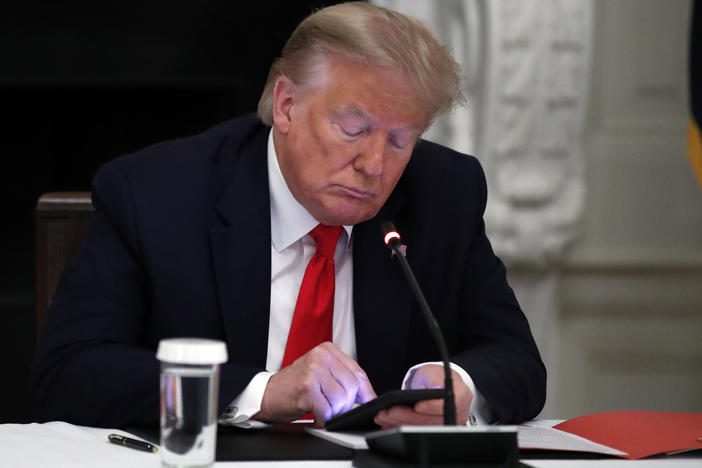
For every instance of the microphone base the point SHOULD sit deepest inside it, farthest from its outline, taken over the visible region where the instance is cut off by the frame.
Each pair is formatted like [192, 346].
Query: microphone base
[441, 447]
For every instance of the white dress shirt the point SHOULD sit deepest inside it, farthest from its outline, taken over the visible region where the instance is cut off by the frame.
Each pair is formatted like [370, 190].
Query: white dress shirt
[291, 250]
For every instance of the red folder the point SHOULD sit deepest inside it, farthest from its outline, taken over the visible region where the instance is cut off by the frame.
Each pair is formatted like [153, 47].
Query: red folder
[639, 433]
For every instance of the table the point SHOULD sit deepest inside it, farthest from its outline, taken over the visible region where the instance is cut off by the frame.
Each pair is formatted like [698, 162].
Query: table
[63, 445]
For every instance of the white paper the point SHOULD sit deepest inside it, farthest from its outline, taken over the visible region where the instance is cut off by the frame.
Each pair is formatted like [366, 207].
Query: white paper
[543, 422]
[536, 435]
[352, 440]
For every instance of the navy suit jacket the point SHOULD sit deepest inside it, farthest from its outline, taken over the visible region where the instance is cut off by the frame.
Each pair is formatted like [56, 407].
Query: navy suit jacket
[180, 246]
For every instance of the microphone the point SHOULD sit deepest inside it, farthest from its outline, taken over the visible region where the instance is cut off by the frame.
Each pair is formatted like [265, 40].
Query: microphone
[447, 445]
[392, 238]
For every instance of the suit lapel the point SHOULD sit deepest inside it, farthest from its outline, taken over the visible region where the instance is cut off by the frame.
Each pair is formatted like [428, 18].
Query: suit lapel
[382, 301]
[241, 251]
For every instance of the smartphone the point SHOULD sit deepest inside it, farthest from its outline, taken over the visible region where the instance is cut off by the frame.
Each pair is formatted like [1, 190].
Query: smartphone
[361, 417]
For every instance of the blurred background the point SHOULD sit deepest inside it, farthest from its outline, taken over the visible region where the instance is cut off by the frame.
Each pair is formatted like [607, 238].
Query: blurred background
[578, 111]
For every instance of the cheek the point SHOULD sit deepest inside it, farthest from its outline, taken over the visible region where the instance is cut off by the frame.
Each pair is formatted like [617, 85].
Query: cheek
[315, 161]
[331, 157]
[316, 146]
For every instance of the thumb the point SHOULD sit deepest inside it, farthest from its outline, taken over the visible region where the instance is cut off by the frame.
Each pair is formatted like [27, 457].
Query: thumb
[429, 376]
[418, 383]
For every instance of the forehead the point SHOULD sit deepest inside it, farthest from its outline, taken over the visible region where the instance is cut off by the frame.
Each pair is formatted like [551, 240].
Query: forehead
[380, 94]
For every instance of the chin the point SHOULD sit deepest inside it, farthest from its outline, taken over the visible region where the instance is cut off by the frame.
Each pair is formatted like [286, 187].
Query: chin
[346, 217]
[337, 211]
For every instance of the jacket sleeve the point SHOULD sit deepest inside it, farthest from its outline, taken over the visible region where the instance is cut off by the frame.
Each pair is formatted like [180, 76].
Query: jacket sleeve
[498, 350]
[95, 364]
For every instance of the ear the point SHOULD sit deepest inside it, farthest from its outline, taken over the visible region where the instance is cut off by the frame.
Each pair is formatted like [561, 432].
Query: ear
[283, 101]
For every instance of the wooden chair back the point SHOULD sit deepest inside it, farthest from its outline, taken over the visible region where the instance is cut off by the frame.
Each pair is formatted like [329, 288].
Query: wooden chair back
[62, 220]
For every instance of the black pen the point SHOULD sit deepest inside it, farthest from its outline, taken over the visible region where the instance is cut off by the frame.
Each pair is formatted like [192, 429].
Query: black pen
[132, 443]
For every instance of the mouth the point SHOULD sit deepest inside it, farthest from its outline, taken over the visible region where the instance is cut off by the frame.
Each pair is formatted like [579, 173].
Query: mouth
[356, 192]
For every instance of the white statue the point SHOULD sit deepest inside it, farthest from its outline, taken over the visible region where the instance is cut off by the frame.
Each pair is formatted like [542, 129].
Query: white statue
[527, 65]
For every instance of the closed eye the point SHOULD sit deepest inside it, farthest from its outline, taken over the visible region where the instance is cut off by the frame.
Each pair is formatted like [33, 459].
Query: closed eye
[353, 132]
[398, 145]
[403, 141]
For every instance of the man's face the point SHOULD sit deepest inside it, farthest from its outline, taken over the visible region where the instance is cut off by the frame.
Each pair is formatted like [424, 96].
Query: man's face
[343, 144]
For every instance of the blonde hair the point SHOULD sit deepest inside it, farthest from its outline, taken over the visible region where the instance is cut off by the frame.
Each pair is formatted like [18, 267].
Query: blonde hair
[373, 36]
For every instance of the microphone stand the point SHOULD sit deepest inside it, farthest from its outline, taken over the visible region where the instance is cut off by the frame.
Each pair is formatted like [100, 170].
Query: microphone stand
[446, 446]
[449, 401]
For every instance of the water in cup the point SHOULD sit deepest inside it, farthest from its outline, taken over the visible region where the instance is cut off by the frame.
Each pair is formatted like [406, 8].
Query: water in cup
[188, 429]
[189, 388]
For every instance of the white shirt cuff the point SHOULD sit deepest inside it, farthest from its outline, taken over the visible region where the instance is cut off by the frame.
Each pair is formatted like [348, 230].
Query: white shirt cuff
[479, 408]
[248, 402]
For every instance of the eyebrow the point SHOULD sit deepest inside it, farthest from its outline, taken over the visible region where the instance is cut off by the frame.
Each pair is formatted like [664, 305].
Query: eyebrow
[355, 111]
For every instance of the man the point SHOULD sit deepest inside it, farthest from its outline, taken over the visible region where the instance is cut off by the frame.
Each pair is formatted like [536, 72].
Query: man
[268, 238]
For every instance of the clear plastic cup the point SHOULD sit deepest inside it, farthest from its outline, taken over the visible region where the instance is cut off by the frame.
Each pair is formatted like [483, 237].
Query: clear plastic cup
[189, 389]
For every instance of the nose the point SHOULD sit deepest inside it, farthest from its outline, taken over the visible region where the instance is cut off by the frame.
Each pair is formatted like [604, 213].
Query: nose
[371, 156]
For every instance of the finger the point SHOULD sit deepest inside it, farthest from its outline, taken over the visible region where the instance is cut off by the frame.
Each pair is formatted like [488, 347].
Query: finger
[381, 418]
[349, 380]
[417, 384]
[365, 389]
[433, 376]
[318, 363]
[361, 385]
[436, 407]
[318, 405]
[430, 407]
[334, 392]
[428, 376]
[403, 415]
[362, 392]
[308, 374]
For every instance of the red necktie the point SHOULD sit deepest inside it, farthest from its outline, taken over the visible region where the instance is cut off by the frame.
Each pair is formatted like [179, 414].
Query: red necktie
[314, 312]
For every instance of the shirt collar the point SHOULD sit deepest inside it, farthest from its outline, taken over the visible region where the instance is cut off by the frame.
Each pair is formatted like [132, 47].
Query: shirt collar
[290, 221]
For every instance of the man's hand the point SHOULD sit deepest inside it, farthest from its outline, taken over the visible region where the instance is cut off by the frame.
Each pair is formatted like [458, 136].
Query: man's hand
[429, 412]
[324, 382]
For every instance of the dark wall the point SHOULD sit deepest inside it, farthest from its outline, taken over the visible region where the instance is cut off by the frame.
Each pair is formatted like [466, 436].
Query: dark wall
[82, 82]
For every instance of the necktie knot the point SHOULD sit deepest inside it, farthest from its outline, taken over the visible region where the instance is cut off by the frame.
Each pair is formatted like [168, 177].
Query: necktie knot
[326, 237]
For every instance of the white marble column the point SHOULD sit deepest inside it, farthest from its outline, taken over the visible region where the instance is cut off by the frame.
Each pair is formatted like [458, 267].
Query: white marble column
[527, 67]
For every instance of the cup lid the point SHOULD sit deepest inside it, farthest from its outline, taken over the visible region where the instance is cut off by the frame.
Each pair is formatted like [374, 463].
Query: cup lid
[192, 351]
